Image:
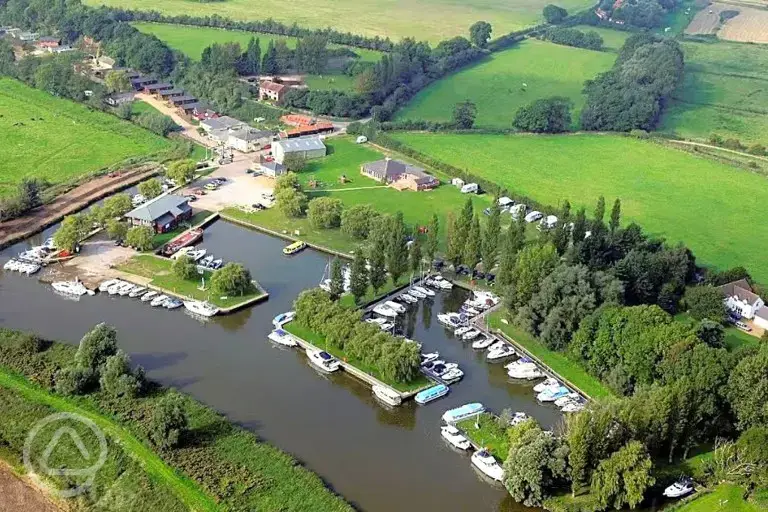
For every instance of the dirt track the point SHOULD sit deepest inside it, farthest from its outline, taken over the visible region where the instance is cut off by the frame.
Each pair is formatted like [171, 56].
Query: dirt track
[68, 203]
[18, 496]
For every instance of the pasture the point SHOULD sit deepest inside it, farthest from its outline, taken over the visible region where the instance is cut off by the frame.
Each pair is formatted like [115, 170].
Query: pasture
[507, 80]
[724, 91]
[613, 40]
[56, 140]
[430, 20]
[669, 192]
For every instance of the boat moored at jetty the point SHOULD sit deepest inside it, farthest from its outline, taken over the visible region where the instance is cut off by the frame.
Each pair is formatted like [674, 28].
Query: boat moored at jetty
[283, 318]
[451, 320]
[499, 351]
[433, 393]
[201, 308]
[387, 395]
[398, 308]
[281, 337]
[550, 382]
[384, 310]
[294, 248]
[74, 288]
[550, 395]
[323, 360]
[150, 295]
[463, 412]
[488, 465]
[454, 437]
[483, 343]
[425, 291]
[159, 300]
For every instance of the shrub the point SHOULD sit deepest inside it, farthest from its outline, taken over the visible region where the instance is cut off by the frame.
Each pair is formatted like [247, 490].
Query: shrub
[325, 212]
[117, 378]
[168, 424]
[232, 279]
[29, 344]
[95, 347]
[356, 221]
[74, 381]
[705, 302]
[291, 202]
[184, 267]
[140, 238]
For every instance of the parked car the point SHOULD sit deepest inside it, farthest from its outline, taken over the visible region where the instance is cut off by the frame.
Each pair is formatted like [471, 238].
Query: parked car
[258, 206]
[476, 274]
[211, 186]
[199, 192]
[438, 264]
[191, 198]
[744, 327]
[490, 278]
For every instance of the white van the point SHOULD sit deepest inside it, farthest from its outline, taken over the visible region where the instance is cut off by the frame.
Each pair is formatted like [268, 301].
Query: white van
[470, 188]
[533, 216]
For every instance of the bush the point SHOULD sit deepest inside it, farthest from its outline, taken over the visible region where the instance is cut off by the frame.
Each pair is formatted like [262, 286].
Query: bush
[29, 344]
[140, 238]
[356, 221]
[546, 115]
[184, 267]
[168, 424]
[291, 202]
[571, 37]
[117, 378]
[232, 279]
[95, 347]
[117, 230]
[554, 14]
[156, 122]
[74, 381]
[325, 212]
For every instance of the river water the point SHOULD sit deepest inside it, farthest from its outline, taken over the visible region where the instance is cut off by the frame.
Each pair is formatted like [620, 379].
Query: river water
[379, 460]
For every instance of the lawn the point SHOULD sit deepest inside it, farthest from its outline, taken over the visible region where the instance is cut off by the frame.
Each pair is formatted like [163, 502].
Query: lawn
[669, 192]
[723, 92]
[319, 341]
[431, 20]
[565, 367]
[159, 271]
[496, 85]
[346, 157]
[613, 40]
[57, 140]
[734, 338]
[192, 41]
[490, 435]
[725, 497]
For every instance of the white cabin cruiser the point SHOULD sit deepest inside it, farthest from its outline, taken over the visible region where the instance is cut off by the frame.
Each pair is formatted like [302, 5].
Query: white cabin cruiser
[442, 283]
[105, 285]
[283, 318]
[323, 360]
[682, 487]
[387, 395]
[488, 465]
[150, 295]
[74, 288]
[384, 310]
[397, 308]
[201, 308]
[462, 330]
[410, 299]
[454, 437]
[573, 407]
[550, 382]
[452, 376]
[281, 337]
[498, 352]
[451, 320]
[483, 343]
[432, 356]
[416, 293]
[567, 399]
[159, 300]
[137, 292]
[425, 291]
[125, 289]
[470, 335]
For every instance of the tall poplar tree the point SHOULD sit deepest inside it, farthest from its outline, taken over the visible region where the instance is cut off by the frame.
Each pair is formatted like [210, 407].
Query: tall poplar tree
[397, 250]
[358, 279]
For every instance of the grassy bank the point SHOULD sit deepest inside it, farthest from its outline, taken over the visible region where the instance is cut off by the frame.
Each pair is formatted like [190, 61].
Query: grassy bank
[219, 466]
[507, 80]
[57, 140]
[160, 272]
[559, 362]
[724, 497]
[490, 435]
[319, 341]
[654, 182]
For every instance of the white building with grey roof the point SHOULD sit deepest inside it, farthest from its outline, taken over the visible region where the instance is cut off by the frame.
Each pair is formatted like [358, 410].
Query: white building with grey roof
[305, 147]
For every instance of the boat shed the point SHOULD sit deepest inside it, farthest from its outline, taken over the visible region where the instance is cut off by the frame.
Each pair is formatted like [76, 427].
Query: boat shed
[162, 214]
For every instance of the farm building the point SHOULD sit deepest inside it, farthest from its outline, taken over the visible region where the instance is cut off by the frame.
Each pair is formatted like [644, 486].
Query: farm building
[272, 169]
[171, 93]
[157, 88]
[162, 214]
[248, 139]
[185, 99]
[399, 175]
[272, 91]
[220, 123]
[309, 129]
[141, 82]
[741, 299]
[306, 147]
[48, 42]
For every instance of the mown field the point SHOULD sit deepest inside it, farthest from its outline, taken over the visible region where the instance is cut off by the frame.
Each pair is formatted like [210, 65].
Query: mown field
[56, 140]
[724, 91]
[612, 39]
[668, 192]
[431, 20]
[507, 80]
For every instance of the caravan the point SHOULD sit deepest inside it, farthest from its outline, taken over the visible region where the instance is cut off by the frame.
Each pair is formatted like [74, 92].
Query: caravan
[470, 188]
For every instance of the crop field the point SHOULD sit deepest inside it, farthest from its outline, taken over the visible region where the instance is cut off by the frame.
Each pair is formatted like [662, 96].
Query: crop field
[56, 140]
[670, 193]
[507, 80]
[724, 91]
[430, 20]
[749, 26]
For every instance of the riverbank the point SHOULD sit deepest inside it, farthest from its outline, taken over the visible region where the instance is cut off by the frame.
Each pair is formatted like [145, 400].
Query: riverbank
[156, 273]
[219, 465]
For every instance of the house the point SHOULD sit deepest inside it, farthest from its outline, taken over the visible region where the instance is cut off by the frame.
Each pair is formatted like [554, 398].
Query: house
[157, 87]
[220, 123]
[272, 91]
[248, 139]
[306, 147]
[162, 214]
[761, 318]
[202, 111]
[184, 99]
[171, 93]
[741, 299]
[272, 169]
[399, 175]
[48, 42]
[141, 82]
[24, 36]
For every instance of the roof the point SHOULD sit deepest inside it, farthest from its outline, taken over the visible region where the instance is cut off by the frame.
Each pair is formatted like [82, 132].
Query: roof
[220, 123]
[172, 91]
[272, 86]
[163, 205]
[163, 85]
[49, 39]
[297, 119]
[309, 129]
[762, 313]
[249, 134]
[394, 168]
[185, 98]
[740, 289]
[273, 166]
[503, 201]
[300, 144]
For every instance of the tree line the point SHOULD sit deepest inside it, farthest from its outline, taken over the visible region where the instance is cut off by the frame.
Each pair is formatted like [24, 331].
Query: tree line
[590, 40]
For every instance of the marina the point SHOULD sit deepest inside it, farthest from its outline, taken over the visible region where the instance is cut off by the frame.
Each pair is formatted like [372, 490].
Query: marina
[229, 364]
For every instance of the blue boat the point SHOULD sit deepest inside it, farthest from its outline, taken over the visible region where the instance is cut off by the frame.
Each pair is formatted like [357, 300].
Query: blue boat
[463, 412]
[432, 393]
[550, 395]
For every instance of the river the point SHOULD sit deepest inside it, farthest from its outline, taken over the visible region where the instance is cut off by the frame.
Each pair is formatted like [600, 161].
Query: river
[377, 459]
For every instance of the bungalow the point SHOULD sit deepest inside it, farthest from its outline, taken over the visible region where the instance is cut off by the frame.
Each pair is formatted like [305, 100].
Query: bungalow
[162, 214]
[220, 123]
[272, 91]
[306, 147]
[171, 93]
[272, 169]
[182, 100]
[740, 298]
[399, 175]
[48, 42]
[157, 88]
[141, 82]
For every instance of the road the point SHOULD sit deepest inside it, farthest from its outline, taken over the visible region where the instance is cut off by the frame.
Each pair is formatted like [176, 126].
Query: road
[188, 129]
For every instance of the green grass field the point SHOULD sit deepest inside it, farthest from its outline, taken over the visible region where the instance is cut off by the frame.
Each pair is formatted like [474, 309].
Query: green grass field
[496, 84]
[724, 91]
[490, 435]
[724, 498]
[430, 20]
[57, 140]
[669, 192]
[612, 39]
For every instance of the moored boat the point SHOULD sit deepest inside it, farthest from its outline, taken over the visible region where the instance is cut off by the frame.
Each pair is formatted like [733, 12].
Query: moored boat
[283, 318]
[323, 360]
[398, 308]
[550, 382]
[433, 393]
[387, 395]
[470, 335]
[158, 301]
[463, 412]
[410, 299]
[384, 310]
[172, 303]
[74, 288]
[483, 343]
[105, 285]
[201, 308]
[552, 395]
[294, 248]
[137, 292]
[425, 291]
[462, 330]
[498, 352]
[452, 375]
[452, 320]
[150, 295]
[416, 293]
[488, 465]
[126, 288]
[432, 356]
[454, 437]
[281, 337]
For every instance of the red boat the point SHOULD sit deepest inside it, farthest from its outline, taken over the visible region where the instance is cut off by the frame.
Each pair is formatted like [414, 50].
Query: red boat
[183, 240]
